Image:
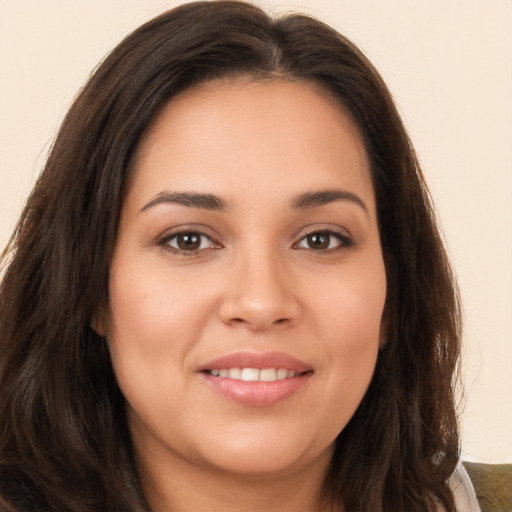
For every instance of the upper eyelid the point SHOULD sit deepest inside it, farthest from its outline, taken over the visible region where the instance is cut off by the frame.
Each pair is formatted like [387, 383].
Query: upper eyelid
[204, 230]
[164, 243]
[322, 228]
[164, 239]
[344, 237]
[170, 236]
[188, 228]
[340, 236]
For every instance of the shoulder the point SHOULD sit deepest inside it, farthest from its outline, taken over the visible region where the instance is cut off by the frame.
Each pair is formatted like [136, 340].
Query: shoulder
[463, 491]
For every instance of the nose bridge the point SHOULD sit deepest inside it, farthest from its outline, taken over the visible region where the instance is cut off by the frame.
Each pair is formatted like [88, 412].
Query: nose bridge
[261, 292]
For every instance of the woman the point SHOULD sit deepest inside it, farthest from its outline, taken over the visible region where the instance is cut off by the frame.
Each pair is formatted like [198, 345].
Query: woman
[227, 289]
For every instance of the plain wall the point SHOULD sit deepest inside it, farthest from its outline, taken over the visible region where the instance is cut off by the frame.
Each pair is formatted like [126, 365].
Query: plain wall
[448, 64]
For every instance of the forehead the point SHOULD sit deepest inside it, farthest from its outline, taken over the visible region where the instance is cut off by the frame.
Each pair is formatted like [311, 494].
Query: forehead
[231, 99]
[259, 131]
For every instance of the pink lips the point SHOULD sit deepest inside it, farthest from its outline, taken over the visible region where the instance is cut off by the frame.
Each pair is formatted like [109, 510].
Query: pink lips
[257, 393]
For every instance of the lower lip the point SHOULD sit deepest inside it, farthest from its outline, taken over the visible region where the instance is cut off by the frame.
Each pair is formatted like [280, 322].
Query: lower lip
[257, 394]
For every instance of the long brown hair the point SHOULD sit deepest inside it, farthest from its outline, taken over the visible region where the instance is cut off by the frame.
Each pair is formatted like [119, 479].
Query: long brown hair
[64, 443]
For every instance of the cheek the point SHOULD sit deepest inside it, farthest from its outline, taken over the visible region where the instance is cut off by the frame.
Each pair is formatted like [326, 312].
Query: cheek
[349, 322]
[153, 320]
[152, 306]
[351, 307]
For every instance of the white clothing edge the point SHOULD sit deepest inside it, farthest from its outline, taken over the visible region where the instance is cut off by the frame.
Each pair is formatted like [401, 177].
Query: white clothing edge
[463, 492]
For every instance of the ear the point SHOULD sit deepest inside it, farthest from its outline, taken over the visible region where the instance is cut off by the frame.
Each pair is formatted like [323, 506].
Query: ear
[99, 322]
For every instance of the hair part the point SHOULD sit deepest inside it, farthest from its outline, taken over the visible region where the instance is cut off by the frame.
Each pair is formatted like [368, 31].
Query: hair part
[64, 442]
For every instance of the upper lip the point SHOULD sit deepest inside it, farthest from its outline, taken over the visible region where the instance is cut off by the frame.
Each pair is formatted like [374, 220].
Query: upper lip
[257, 360]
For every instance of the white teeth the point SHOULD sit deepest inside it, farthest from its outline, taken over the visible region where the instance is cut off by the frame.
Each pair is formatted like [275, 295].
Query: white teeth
[235, 373]
[282, 373]
[268, 375]
[254, 374]
[250, 374]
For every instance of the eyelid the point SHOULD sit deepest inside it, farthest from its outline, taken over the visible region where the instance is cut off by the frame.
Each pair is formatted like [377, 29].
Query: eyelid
[163, 239]
[340, 233]
[344, 237]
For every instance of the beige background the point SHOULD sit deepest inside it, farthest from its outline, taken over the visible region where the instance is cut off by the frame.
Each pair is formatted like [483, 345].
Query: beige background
[448, 64]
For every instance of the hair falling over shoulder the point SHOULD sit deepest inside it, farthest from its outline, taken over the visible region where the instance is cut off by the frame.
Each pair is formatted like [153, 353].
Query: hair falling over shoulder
[64, 443]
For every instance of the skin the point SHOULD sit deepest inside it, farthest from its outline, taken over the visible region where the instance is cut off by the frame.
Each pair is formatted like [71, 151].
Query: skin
[255, 283]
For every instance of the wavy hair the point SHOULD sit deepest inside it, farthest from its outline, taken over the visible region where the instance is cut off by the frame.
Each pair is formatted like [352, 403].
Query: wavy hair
[64, 442]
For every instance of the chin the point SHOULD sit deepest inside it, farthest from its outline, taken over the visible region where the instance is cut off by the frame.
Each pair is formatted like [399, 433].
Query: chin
[258, 455]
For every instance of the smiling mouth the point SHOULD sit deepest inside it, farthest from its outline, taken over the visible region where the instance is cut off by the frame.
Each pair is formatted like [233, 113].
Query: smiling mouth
[255, 374]
[257, 380]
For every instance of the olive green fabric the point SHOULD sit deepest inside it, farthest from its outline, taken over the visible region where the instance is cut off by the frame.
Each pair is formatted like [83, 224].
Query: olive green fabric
[493, 485]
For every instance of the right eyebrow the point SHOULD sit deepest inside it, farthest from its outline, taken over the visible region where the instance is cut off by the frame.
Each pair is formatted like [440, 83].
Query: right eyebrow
[323, 197]
[190, 199]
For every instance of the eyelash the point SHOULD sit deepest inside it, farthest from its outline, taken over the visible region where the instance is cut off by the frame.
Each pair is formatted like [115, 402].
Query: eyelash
[166, 239]
[343, 241]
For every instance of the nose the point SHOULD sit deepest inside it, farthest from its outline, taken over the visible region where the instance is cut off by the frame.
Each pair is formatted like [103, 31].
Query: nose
[261, 294]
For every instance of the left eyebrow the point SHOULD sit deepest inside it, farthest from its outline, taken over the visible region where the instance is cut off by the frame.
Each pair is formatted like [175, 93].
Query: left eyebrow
[190, 199]
[322, 197]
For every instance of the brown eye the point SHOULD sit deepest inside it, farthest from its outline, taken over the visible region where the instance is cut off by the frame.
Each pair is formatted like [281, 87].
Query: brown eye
[323, 241]
[189, 241]
[318, 241]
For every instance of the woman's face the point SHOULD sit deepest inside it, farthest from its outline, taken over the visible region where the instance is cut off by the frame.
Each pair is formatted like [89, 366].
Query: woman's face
[247, 283]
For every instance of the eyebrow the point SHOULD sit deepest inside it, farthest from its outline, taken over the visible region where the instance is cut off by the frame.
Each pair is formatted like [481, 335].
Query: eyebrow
[322, 197]
[190, 199]
[214, 203]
